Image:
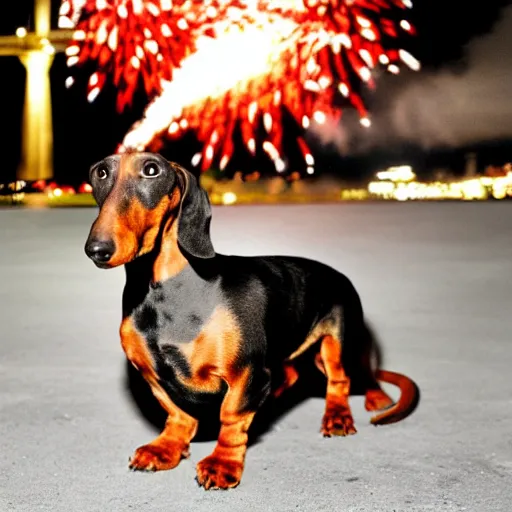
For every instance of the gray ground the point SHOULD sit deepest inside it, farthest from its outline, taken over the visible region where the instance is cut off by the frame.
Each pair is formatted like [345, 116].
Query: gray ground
[435, 282]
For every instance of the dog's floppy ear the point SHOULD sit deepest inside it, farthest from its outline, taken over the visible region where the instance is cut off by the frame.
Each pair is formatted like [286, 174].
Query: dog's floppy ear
[194, 216]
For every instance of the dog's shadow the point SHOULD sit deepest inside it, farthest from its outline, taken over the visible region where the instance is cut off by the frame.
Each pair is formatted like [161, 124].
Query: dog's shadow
[311, 383]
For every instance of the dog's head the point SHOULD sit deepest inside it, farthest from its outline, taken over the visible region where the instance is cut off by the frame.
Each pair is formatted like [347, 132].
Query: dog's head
[140, 196]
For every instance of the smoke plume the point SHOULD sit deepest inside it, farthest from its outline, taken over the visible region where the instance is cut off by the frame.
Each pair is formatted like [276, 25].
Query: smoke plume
[446, 108]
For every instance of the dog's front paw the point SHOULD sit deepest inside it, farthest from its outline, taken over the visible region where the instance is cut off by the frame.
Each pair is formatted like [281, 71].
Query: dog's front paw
[216, 473]
[159, 455]
[338, 421]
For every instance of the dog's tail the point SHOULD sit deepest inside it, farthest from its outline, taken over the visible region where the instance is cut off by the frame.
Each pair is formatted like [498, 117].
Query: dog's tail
[408, 401]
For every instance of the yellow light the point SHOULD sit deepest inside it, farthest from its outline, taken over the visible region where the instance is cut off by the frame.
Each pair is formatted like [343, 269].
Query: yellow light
[381, 188]
[401, 194]
[21, 32]
[354, 195]
[394, 185]
[473, 189]
[398, 173]
[57, 192]
[229, 198]
[37, 161]
[499, 192]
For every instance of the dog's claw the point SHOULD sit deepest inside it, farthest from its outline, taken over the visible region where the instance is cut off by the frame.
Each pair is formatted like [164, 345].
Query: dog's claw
[158, 456]
[338, 421]
[216, 473]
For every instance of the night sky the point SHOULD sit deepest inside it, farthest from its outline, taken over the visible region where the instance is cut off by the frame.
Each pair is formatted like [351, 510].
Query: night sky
[460, 101]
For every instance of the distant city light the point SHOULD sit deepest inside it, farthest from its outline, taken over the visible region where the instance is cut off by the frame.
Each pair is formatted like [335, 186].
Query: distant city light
[229, 198]
[400, 184]
[398, 173]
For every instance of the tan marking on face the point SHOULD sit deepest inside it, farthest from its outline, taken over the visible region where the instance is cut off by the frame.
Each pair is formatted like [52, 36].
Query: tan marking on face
[170, 260]
[135, 230]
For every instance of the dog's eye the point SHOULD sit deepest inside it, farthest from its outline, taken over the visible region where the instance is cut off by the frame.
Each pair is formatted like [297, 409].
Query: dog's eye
[101, 173]
[150, 171]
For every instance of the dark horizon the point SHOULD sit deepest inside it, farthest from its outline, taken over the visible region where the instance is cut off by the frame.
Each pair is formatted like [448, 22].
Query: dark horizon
[85, 133]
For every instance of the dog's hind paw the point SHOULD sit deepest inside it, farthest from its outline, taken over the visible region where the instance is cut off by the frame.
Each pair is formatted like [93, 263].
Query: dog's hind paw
[338, 421]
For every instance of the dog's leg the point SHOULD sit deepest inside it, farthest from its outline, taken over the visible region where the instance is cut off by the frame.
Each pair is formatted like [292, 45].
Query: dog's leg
[319, 363]
[290, 378]
[223, 468]
[337, 420]
[377, 399]
[170, 447]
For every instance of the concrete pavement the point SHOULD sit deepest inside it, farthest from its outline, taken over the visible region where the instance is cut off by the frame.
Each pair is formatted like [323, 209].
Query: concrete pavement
[435, 280]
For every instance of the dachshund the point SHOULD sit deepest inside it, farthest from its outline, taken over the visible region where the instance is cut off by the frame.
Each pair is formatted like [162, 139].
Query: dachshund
[206, 329]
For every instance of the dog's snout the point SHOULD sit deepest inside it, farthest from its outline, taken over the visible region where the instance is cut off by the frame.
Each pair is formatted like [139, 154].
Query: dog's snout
[100, 251]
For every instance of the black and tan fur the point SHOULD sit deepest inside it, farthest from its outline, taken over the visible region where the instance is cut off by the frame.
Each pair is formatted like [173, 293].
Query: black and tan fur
[205, 328]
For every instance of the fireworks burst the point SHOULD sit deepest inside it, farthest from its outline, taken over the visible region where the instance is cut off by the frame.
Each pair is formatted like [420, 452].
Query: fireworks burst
[209, 66]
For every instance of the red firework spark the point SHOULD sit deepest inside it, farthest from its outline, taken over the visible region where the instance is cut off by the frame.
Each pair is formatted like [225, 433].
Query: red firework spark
[132, 41]
[325, 48]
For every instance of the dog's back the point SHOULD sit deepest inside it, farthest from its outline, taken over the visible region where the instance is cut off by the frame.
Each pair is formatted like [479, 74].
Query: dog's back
[292, 294]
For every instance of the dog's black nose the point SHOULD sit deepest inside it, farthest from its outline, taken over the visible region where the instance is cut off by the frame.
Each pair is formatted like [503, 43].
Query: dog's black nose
[100, 251]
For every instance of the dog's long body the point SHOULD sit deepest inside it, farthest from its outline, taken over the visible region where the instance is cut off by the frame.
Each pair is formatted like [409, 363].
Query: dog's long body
[206, 329]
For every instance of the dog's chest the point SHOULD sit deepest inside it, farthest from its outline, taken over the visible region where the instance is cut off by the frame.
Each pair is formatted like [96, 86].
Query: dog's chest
[175, 311]
[174, 318]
